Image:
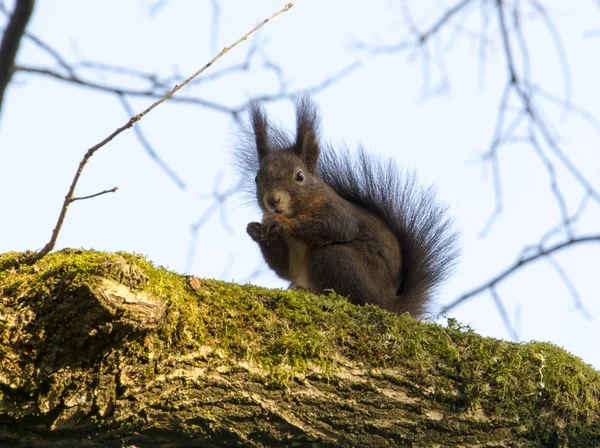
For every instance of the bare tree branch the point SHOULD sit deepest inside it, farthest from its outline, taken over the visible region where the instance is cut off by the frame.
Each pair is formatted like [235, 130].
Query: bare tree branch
[558, 228]
[504, 315]
[530, 110]
[420, 37]
[157, 6]
[118, 90]
[519, 265]
[219, 200]
[518, 114]
[70, 195]
[570, 286]
[284, 94]
[11, 40]
[82, 198]
[150, 150]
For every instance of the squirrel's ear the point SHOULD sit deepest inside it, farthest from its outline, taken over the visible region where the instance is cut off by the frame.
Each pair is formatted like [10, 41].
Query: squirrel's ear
[307, 145]
[260, 128]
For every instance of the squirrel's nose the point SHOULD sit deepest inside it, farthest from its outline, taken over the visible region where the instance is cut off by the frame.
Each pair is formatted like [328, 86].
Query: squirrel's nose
[273, 200]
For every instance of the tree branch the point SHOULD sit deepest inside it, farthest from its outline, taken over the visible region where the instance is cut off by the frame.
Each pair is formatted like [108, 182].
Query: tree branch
[82, 198]
[519, 265]
[11, 42]
[70, 195]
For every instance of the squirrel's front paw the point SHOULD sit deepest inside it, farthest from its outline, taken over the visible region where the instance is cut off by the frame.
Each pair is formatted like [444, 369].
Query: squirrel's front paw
[272, 224]
[255, 230]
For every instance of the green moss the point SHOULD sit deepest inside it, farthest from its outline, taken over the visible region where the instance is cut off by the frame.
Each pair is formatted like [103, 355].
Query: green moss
[291, 333]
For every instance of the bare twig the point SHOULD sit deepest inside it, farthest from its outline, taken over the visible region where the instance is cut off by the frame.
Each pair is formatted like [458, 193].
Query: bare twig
[519, 120]
[504, 315]
[150, 150]
[217, 57]
[284, 94]
[103, 67]
[11, 42]
[219, 201]
[562, 54]
[81, 198]
[558, 228]
[51, 51]
[420, 37]
[257, 272]
[158, 85]
[147, 93]
[570, 286]
[492, 154]
[156, 7]
[69, 197]
[450, 14]
[519, 265]
[530, 110]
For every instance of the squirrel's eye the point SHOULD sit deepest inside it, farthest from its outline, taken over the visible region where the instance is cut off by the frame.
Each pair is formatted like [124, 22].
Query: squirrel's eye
[299, 176]
[256, 179]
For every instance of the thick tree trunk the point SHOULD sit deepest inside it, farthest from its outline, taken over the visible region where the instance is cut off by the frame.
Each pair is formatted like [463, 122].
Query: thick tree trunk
[106, 350]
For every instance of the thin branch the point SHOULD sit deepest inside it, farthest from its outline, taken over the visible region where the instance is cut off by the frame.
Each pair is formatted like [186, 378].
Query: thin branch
[90, 152]
[219, 201]
[535, 122]
[482, 43]
[570, 286]
[492, 154]
[520, 123]
[422, 37]
[530, 110]
[11, 41]
[504, 315]
[519, 265]
[158, 5]
[157, 83]
[445, 18]
[257, 272]
[556, 229]
[560, 51]
[573, 108]
[51, 51]
[82, 198]
[501, 136]
[562, 204]
[148, 93]
[150, 150]
[283, 94]
[225, 50]
[104, 67]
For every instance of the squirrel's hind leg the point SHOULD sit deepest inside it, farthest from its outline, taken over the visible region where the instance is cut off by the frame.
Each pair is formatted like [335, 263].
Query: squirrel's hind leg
[341, 267]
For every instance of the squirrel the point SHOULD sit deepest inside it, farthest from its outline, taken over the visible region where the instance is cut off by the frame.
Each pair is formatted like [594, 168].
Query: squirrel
[333, 221]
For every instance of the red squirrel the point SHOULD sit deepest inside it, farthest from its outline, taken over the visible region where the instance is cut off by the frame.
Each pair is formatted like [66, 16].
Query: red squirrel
[350, 223]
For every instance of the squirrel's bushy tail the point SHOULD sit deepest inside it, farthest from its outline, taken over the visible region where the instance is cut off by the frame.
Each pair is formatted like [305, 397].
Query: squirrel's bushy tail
[428, 243]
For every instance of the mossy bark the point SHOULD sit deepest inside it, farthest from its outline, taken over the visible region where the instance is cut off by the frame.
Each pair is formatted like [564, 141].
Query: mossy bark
[107, 350]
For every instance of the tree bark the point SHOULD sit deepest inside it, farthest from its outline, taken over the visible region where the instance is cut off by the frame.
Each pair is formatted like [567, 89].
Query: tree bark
[106, 350]
[11, 42]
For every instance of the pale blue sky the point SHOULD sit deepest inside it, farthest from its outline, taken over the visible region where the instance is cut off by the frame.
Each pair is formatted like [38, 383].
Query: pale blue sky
[47, 126]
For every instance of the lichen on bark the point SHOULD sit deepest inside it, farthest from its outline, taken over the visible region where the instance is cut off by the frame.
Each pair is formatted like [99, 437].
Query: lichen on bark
[101, 349]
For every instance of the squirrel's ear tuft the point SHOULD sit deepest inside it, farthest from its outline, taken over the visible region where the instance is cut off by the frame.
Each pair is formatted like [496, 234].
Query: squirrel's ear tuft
[307, 145]
[260, 128]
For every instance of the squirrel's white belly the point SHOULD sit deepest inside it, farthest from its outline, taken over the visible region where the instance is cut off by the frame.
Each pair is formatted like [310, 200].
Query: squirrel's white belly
[298, 262]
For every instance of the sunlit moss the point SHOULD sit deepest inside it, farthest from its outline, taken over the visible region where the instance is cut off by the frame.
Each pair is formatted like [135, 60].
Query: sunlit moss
[289, 334]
